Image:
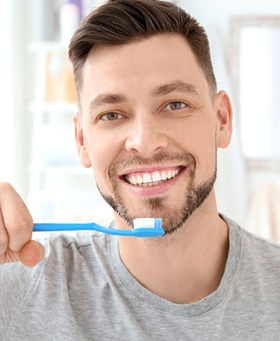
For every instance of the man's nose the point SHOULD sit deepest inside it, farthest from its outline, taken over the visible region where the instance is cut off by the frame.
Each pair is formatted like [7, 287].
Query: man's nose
[147, 137]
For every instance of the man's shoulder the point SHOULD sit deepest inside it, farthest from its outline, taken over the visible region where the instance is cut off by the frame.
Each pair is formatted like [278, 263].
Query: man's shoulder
[264, 253]
[259, 244]
[250, 239]
[253, 250]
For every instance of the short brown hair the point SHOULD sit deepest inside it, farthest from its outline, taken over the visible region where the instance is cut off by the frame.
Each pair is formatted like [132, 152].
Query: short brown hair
[119, 22]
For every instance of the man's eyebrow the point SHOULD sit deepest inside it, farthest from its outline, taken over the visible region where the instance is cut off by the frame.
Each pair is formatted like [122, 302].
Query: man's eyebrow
[115, 98]
[107, 98]
[177, 86]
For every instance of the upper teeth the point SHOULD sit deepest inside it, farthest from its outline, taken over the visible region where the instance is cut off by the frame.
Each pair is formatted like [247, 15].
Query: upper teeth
[151, 178]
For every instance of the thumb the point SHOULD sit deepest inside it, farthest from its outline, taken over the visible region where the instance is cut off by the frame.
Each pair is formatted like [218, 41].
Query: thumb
[32, 253]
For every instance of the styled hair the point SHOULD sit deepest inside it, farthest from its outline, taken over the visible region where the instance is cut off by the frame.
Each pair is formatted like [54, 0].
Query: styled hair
[119, 22]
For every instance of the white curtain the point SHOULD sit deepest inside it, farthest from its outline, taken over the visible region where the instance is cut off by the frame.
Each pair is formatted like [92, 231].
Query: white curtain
[259, 79]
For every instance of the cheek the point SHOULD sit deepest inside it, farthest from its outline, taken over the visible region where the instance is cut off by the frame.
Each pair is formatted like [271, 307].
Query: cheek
[199, 135]
[200, 141]
[102, 153]
[208, 156]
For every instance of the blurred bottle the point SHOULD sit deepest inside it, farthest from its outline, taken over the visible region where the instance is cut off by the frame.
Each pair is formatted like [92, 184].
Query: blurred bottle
[43, 17]
[60, 80]
[69, 21]
[79, 4]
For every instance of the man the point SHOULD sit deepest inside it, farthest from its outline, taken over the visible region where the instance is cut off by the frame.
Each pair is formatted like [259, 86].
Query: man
[149, 124]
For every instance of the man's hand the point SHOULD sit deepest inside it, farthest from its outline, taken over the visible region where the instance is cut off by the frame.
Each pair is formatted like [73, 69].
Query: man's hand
[16, 227]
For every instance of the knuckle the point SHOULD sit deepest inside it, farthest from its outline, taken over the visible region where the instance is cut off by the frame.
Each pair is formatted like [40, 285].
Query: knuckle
[3, 243]
[3, 248]
[2, 259]
[5, 186]
[22, 225]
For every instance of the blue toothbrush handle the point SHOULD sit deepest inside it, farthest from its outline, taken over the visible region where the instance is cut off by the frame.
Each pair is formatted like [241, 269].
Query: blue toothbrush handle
[137, 232]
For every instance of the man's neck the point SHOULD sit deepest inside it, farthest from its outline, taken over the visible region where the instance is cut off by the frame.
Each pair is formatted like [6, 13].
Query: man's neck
[184, 267]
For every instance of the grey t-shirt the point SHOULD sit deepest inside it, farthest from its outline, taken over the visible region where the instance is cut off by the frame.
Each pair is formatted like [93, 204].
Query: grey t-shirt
[83, 291]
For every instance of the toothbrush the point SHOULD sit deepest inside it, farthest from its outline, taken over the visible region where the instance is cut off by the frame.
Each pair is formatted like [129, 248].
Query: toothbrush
[143, 227]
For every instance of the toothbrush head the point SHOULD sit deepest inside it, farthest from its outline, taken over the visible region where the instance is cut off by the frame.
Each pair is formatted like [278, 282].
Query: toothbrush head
[147, 227]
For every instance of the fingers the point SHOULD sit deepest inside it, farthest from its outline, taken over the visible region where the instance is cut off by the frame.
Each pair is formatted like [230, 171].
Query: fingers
[16, 226]
[32, 253]
[3, 236]
[16, 217]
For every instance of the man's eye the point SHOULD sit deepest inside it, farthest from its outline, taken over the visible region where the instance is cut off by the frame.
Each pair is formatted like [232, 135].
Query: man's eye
[111, 116]
[175, 106]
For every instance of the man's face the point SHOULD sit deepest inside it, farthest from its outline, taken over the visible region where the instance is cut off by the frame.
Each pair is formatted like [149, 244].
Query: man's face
[150, 129]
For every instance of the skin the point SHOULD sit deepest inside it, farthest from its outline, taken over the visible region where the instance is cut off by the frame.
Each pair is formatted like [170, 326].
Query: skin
[16, 226]
[128, 127]
[144, 126]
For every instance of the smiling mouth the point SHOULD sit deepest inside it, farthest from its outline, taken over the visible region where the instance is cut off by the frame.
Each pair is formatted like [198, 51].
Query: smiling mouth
[146, 179]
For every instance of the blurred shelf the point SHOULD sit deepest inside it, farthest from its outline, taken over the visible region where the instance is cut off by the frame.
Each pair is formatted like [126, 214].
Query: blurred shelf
[59, 184]
[67, 169]
[53, 107]
[263, 165]
[52, 46]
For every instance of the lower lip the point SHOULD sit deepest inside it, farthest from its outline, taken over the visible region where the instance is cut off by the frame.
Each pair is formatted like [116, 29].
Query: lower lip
[159, 189]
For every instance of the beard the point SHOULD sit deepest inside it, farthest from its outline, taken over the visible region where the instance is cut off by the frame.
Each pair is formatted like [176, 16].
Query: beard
[173, 217]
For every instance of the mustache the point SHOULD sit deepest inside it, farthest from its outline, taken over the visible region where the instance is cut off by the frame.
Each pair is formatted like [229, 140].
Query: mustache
[135, 160]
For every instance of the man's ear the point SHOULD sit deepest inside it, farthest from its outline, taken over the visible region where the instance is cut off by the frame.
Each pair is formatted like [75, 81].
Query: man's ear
[80, 141]
[224, 119]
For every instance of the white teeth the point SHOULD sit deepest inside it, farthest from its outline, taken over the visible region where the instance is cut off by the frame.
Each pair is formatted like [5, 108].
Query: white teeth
[163, 175]
[152, 179]
[139, 179]
[156, 176]
[169, 174]
[133, 180]
[147, 178]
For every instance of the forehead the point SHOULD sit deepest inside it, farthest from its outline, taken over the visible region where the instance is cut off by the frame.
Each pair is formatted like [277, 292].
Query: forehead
[143, 64]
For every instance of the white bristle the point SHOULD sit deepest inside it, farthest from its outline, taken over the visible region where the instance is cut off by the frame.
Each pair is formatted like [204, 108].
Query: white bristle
[144, 223]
